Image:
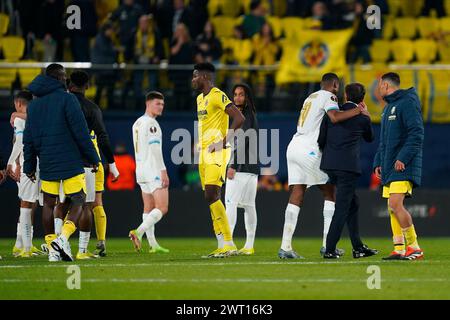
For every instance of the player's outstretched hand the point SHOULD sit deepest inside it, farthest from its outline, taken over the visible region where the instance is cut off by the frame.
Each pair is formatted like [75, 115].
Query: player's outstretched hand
[165, 179]
[231, 173]
[364, 109]
[378, 172]
[399, 166]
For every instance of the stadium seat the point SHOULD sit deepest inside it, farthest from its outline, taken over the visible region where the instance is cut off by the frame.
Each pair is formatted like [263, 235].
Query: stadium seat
[27, 75]
[13, 48]
[245, 4]
[405, 27]
[230, 8]
[275, 23]
[213, 7]
[104, 8]
[402, 50]
[444, 52]
[425, 50]
[224, 26]
[411, 8]
[279, 7]
[387, 29]
[445, 24]
[242, 50]
[380, 51]
[7, 77]
[437, 109]
[428, 26]
[291, 25]
[394, 7]
[447, 6]
[4, 24]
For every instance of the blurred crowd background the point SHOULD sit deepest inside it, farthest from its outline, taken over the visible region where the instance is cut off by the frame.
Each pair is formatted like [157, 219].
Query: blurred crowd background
[143, 45]
[237, 33]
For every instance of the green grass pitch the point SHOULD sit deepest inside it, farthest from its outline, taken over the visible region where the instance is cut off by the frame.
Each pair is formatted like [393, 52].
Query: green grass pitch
[183, 274]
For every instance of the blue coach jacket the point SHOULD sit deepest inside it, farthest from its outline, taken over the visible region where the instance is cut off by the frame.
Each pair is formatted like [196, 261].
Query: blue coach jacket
[56, 132]
[401, 138]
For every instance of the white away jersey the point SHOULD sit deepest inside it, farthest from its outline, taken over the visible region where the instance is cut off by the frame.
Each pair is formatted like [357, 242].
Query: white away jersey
[17, 152]
[146, 134]
[313, 111]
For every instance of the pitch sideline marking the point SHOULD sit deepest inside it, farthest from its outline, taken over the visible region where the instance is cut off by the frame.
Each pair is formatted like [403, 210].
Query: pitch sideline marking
[176, 264]
[242, 280]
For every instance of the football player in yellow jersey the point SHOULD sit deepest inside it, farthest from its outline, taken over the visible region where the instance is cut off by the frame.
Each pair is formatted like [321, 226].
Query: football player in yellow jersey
[213, 110]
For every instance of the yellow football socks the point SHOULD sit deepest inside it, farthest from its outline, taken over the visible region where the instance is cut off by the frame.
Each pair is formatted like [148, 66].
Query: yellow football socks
[218, 211]
[100, 222]
[49, 238]
[68, 229]
[411, 237]
[397, 234]
[216, 225]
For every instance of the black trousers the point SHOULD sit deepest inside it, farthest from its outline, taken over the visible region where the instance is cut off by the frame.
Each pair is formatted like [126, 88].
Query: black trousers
[346, 211]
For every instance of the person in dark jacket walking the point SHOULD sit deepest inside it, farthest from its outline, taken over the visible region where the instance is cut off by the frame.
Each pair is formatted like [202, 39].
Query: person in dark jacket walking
[243, 171]
[340, 145]
[398, 161]
[79, 83]
[56, 132]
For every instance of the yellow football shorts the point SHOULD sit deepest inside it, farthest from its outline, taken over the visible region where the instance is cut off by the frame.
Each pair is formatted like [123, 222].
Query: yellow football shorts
[70, 186]
[213, 167]
[402, 187]
[100, 179]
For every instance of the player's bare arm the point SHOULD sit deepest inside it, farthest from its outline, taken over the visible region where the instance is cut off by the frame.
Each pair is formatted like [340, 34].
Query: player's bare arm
[237, 122]
[340, 116]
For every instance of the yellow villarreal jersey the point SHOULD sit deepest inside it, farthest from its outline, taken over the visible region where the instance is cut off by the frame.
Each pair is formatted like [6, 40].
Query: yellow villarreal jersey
[213, 121]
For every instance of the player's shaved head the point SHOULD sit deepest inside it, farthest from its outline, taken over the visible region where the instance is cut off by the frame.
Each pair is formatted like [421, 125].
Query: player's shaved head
[330, 82]
[205, 67]
[393, 79]
[388, 84]
[202, 75]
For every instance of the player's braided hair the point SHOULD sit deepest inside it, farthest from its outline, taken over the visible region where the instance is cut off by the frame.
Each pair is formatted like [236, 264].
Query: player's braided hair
[249, 100]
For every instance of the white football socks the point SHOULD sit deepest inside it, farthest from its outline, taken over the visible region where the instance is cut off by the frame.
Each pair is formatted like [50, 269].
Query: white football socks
[231, 210]
[19, 243]
[152, 218]
[58, 226]
[250, 225]
[150, 233]
[290, 223]
[328, 212]
[83, 241]
[25, 228]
